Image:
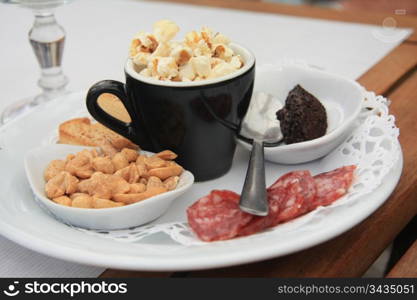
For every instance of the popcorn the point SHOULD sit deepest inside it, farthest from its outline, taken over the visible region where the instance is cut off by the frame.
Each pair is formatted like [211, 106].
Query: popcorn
[191, 39]
[165, 30]
[134, 48]
[201, 65]
[222, 69]
[146, 72]
[207, 36]
[215, 61]
[201, 48]
[141, 59]
[236, 62]
[186, 72]
[181, 54]
[167, 67]
[163, 49]
[201, 55]
[143, 42]
[223, 52]
[153, 67]
[221, 39]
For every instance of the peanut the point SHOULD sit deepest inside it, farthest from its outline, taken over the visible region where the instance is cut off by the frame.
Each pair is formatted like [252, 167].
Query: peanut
[136, 188]
[166, 155]
[154, 162]
[119, 161]
[63, 200]
[97, 185]
[133, 198]
[130, 173]
[103, 164]
[154, 182]
[171, 183]
[130, 154]
[166, 172]
[141, 159]
[104, 203]
[54, 168]
[83, 201]
[61, 184]
[118, 185]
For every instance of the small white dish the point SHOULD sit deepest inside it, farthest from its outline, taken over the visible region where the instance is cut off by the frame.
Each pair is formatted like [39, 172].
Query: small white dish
[341, 97]
[127, 216]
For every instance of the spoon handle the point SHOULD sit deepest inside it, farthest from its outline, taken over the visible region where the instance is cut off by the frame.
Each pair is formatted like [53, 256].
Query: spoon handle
[254, 197]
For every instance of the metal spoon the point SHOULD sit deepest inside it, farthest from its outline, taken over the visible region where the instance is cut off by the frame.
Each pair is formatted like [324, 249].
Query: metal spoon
[253, 199]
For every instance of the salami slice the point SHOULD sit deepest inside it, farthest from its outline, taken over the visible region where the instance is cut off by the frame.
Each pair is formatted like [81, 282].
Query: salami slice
[217, 216]
[300, 192]
[309, 192]
[285, 180]
[290, 196]
[333, 185]
[260, 223]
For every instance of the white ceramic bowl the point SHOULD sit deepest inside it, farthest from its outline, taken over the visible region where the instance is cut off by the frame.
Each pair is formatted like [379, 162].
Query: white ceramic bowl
[341, 97]
[127, 216]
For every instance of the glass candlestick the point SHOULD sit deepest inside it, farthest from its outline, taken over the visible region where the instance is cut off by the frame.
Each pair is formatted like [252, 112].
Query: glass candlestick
[47, 38]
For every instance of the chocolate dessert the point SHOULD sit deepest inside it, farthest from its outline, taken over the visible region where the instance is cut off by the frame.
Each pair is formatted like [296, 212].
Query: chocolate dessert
[303, 117]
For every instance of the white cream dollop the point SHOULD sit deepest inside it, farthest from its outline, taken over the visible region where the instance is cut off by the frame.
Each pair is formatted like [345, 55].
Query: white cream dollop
[260, 119]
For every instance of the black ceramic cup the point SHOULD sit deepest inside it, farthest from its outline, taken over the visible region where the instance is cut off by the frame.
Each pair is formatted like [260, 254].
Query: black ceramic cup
[197, 120]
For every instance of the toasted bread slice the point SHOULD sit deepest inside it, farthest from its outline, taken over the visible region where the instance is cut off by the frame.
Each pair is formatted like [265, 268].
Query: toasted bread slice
[76, 132]
[81, 131]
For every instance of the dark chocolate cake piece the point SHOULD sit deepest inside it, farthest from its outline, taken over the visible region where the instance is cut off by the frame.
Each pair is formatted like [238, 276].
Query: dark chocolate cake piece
[302, 118]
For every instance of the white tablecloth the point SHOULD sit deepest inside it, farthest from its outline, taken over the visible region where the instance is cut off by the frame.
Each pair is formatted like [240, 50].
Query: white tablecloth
[98, 35]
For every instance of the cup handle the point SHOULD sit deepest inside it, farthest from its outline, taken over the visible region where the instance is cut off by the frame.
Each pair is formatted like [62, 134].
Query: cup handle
[118, 89]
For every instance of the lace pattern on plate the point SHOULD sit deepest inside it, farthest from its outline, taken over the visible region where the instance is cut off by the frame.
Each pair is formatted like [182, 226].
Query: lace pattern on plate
[373, 146]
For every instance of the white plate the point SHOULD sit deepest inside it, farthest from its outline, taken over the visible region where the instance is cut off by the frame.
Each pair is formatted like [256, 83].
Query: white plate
[23, 221]
[103, 219]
